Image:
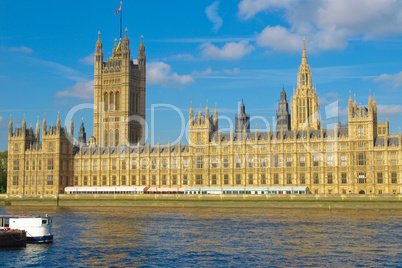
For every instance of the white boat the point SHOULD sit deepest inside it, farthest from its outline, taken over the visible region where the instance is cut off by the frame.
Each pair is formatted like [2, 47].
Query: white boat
[38, 228]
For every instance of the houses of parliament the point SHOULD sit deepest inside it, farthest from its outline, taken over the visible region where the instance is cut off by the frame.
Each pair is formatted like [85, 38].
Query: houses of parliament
[361, 157]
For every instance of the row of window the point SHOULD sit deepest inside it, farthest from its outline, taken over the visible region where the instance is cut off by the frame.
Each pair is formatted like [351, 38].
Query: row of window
[33, 180]
[251, 163]
[111, 101]
[250, 179]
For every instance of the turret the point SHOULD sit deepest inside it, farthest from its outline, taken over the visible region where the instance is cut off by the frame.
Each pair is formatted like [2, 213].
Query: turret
[283, 116]
[37, 130]
[24, 126]
[141, 55]
[191, 115]
[242, 123]
[98, 55]
[82, 135]
[72, 127]
[58, 125]
[44, 126]
[216, 117]
[207, 112]
[126, 51]
[10, 127]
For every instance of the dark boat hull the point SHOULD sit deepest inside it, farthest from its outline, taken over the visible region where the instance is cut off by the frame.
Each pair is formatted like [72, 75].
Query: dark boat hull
[15, 238]
[40, 239]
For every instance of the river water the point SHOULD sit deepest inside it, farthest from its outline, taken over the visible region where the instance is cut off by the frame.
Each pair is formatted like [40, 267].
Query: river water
[213, 237]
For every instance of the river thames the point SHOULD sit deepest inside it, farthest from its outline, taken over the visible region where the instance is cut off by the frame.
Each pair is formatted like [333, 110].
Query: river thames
[213, 237]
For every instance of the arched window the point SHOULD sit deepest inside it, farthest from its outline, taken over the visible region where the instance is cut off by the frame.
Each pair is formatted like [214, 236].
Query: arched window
[117, 101]
[111, 101]
[111, 137]
[105, 101]
[116, 137]
[106, 138]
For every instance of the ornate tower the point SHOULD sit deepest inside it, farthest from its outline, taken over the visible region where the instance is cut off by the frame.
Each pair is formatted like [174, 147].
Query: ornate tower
[242, 120]
[305, 107]
[119, 84]
[283, 116]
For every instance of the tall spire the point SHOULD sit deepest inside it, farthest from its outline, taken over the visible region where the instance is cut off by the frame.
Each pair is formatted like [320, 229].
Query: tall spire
[304, 56]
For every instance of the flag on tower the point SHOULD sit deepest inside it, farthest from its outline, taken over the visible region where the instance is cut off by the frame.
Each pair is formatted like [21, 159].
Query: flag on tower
[118, 10]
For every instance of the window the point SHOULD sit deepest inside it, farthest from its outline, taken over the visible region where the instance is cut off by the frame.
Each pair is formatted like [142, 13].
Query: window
[114, 167]
[86, 165]
[153, 164]
[198, 179]
[263, 162]
[85, 180]
[174, 163]
[276, 161]
[199, 162]
[144, 164]
[263, 179]
[316, 180]
[103, 180]
[123, 165]
[302, 178]
[75, 180]
[164, 180]
[50, 164]
[153, 180]
[198, 137]
[276, 179]
[50, 180]
[288, 161]
[111, 101]
[33, 180]
[94, 181]
[15, 180]
[250, 162]
[185, 180]
[361, 160]
[117, 101]
[289, 178]
[185, 163]
[344, 178]
[225, 162]
[40, 165]
[393, 159]
[329, 146]
[39, 180]
[360, 131]
[174, 179]
[213, 179]
[238, 179]
[225, 179]
[344, 160]
[238, 162]
[50, 147]
[95, 165]
[379, 159]
[164, 163]
[133, 164]
[250, 179]
[104, 165]
[379, 177]
[394, 177]
[133, 180]
[214, 163]
[329, 178]
[27, 165]
[302, 161]
[329, 160]
[15, 165]
[361, 178]
[105, 101]
[26, 180]
[123, 180]
[114, 180]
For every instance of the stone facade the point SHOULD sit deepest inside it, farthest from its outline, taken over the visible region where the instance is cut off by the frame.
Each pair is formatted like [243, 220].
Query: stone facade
[360, 157]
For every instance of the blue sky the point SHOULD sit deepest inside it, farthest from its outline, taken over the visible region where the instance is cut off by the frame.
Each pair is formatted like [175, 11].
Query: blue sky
[198, 51]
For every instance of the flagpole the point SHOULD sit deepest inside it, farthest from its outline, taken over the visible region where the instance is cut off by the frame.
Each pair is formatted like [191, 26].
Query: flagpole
[121, 18]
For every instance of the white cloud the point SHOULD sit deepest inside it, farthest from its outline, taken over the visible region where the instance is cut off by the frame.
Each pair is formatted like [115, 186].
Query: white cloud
[327, 24]
[280, 39]
[389, 110]
[81, 90]
[249, 8]
[1, 119]
[160, 73]
[206, 72]
[183, 57]
[232, 71]
[230, 51]
[391, 80]
[213, 16]
[22, 49]
[88, 60]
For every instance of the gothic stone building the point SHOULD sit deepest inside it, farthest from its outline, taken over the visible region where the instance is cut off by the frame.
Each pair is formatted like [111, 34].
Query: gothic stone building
[360, 157]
